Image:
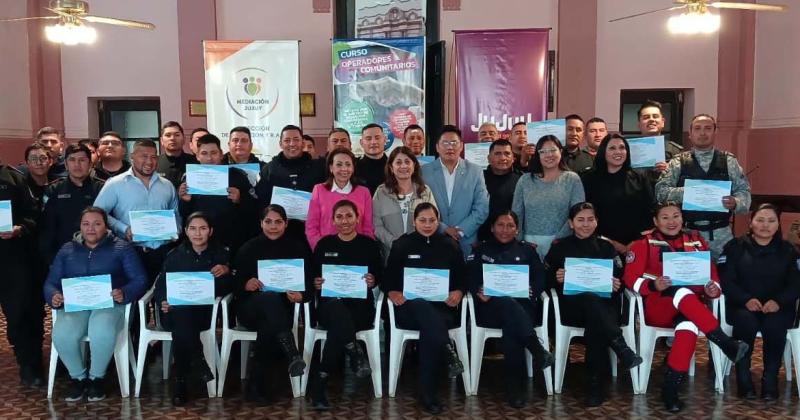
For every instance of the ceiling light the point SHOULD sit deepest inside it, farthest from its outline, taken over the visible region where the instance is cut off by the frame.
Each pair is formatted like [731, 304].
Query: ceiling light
[692, 22]
[70, 34]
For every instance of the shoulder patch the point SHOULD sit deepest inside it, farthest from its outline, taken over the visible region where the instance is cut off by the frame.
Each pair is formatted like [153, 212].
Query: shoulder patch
[630, 257]
[722, 259]
[618, 261]
[470, 257]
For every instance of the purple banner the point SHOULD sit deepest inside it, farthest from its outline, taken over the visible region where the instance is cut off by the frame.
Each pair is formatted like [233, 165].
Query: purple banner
[501, 77]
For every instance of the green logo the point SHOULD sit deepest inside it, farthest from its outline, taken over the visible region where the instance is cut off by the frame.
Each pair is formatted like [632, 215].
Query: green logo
[252, 85]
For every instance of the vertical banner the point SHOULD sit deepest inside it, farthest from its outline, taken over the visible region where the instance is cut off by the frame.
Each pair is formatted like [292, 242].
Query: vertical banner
[380, 81]
[501, 77]
[255, 84]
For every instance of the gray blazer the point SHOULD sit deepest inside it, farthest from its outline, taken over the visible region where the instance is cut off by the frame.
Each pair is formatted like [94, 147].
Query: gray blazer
[388, 220]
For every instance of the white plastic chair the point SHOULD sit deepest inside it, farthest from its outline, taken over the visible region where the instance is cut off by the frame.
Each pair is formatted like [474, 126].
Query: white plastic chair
[147, 335]
[793, 343]
[239, 333]
[479, 335]
[565, 334]
[122, 356]
[398, 338]
[370, 337]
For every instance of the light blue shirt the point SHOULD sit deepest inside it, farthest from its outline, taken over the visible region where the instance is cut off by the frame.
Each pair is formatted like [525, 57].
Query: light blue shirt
[125, 192]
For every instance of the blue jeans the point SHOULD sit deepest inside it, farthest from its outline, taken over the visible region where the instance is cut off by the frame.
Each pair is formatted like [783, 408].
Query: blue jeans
[101, 325]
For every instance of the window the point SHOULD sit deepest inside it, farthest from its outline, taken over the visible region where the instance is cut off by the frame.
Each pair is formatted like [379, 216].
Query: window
[672, 108]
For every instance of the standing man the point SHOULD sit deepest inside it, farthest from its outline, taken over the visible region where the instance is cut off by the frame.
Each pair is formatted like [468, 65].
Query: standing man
[704, 161]
[90, 144]
[576, 158]
[414, 139]
[488, 132]
[371, 167]
[651, 123]
[196, 134]
[310, 146]
[597, 130]
[523, 151]
[38, 160]
[338, 137]
[53, 139]
[240, 146]
[501, 179]
[172, 161]
[112, 156]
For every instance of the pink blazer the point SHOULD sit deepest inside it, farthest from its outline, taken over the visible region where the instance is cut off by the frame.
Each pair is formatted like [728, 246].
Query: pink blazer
[320, 212]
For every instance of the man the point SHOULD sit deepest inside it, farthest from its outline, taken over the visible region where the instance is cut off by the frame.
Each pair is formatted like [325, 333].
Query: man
[704, 161]
[651, 123]
[487, 132]
[338, 137]
[310, 146]
[501, 179]
[576, 158]
[112, 156]
[172, 161]
[196, 134]
[371, 168]
[65, 199]
[92, 145]
[597, 130]
[414, 139]
[240, 148]
[53, 139]
[523, 151]
[38, 160]
[459, 190]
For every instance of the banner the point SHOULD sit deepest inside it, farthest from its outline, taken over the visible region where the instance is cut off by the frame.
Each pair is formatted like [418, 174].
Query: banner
[255, 84]
[380, 81]
[501, 77]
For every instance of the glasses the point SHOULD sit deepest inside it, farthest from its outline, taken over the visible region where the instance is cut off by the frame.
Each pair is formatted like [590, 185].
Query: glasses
[110, 143]
[38, 159]
[551, 151]
[450, 143]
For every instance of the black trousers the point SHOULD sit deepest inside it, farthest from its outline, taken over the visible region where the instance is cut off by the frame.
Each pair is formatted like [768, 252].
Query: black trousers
[186, 323]
[773, 328]
[22, 304]
[516, 318]
[153, 260]
[600, 318]
[268, 314]
[342, 318]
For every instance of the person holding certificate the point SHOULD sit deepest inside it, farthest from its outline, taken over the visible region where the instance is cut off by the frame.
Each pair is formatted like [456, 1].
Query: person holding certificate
[269, 313]
[353, 265]
[761, 282]
[425, 249]
[514, 315]
[681, 307]
[599, 315]
[197, 253]
[94, 252]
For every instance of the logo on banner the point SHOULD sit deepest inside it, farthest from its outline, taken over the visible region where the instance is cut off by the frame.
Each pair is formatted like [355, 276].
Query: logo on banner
[250, 95]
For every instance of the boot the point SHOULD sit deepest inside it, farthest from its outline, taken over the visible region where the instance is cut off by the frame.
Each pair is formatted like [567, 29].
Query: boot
[595, 394]
[454, 366]
[744, 381]
[733, 349]
[200, 366]
[255, 391]
[359, 362]
[769, 388]
[319, 397]
[543, 358]
[515, 391]
[179, 394]
[626, 355]
[669, 391]
[431, 406]
[296, 364]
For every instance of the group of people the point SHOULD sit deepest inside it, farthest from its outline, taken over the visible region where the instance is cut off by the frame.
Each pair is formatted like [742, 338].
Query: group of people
[536, 204]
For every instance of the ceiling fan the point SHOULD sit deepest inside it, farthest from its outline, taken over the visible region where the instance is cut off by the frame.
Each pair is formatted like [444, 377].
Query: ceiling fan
[697, 18]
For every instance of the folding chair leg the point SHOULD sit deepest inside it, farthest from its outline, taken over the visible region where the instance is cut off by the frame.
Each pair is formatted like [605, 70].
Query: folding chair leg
[222, 367]
[647, 343]
[478, 339]
[374, 355]
[463, 355]
[396, 345]
[143, 345]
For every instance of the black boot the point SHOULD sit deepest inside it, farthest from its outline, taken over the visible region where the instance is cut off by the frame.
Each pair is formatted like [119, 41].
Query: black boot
[744, 381]
[626, 355]
[543, 358]
[179, 394]
[454, 366]
[595, 393]
[31, 376]
[255, 390]
[669, 391]
[359, 362]
[769, 388]
[200, 366]
[319, 397]
[296, 364]
[431, 406]
[733, 349]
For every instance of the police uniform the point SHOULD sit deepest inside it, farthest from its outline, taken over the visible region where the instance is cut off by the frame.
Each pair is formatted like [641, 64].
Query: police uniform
[63, 203]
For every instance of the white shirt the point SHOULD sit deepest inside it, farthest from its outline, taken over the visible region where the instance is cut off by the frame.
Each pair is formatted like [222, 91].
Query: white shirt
[346, 190]
[405, 203]
[449, 180]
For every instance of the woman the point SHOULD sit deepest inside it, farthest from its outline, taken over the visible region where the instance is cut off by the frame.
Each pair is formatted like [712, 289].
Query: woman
[679, 307]
[622, 197]
[340, 185]
[343, 317]
[427, 248]
[542, 199]
[196, 254]
[395, 200]
[515, 316]
[269, 313]
[94, 252]
[600, 316]
[761, 282]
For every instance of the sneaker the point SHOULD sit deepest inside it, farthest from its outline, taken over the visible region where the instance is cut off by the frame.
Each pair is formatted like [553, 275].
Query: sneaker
[76, 389]
[96, 390]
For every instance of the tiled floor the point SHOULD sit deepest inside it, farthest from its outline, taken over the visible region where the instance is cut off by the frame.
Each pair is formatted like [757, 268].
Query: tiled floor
[355, 400]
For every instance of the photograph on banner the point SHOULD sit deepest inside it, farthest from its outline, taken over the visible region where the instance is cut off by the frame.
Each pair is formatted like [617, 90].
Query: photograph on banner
[255, 84]
[390, 18]
[380, 81]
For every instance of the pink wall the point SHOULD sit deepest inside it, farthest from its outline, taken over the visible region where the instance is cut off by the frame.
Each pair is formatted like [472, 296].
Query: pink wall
[577, 57]
[197, 22]
[15, 105]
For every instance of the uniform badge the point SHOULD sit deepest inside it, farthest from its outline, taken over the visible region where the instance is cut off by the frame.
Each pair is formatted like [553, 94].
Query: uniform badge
[414, 257]
[470, 257]
[630, 257]
[488, 259]
[331, 254]
[722, 259]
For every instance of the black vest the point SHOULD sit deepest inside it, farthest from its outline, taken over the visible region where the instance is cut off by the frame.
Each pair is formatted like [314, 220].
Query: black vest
[717, 171]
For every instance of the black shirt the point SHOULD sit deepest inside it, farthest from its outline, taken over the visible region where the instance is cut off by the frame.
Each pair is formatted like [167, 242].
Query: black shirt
[64, 204]
[173, 167]
[574, 247]
[301, 173]
[103, 174]
[501, 195]
[14, 188]
[623, 203]
[288, 246]
[371, 171]
[515, 252]
[227, 158]
[185, 259]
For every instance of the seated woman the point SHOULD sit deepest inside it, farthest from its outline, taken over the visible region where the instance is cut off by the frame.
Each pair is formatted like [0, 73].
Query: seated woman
[427, 248]
[95, 251]
[679, 307]
[196, 253]
[343, 317]
[761, 282]
[600, 316]
[269, 313]
[513, 315]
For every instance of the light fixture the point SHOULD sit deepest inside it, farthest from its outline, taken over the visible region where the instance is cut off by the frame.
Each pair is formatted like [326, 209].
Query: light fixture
[694, 22]
[69, 33]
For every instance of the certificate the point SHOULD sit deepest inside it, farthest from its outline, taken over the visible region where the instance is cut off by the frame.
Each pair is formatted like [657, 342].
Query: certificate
[539, 129]
[688, 268]
[647, 151]
[87, 293]
[344, 281]
[6, 221]
[293, 201]
[477, 153]
[424, 160]
[252, 170]
[207, 179]
[588, 275]
[426, 283]
[282, 275]
[190, 288]
[705, 195]
[153, 225]
[506, 280]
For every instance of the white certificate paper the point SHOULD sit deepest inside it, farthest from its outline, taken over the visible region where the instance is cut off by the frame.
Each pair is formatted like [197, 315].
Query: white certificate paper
[647, 151]
[6, 221]
[344, 281]
[207, 179]
[282, 275]
[87, 293]
[426, 283]
[506, 280]
[688, 268]
[153, 225]
[705, 195]
[477, 153]
[588, 275]
[293, 201]
[190, 288]
[252, 170]
[424, 160]
[539, 129]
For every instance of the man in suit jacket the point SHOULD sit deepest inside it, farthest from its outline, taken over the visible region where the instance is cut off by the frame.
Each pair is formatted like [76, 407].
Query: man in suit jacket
[459, 190]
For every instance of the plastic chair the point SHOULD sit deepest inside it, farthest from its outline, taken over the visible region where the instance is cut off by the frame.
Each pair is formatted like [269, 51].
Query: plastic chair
[370, 337]
[479, 335]
[793, 344]
[239, 333]
[122, 356]
[147, 335]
